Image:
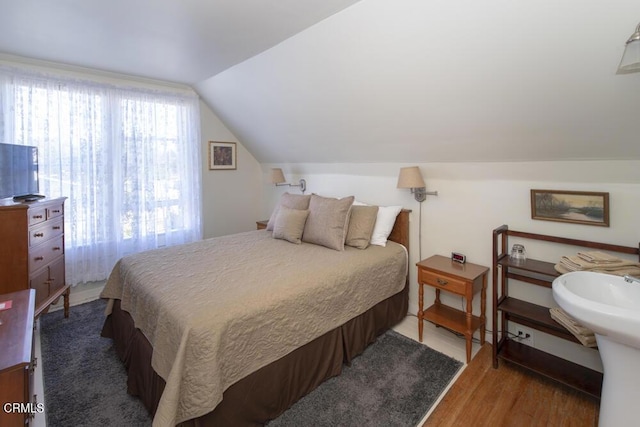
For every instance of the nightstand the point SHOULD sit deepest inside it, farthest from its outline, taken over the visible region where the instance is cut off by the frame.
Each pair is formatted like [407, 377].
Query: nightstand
[465, 280]
[261, 225]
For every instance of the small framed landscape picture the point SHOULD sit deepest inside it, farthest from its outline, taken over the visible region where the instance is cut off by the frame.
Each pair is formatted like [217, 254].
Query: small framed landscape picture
[222, 155]
[579, 207]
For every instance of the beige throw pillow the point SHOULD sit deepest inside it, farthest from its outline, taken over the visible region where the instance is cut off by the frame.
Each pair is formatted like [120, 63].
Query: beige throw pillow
[361, 223]
[289, 224]
[293, 201]
[327, 222]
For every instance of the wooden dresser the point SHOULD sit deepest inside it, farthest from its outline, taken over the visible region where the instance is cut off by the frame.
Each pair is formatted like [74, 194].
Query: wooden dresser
[16, 360]
[32, 250]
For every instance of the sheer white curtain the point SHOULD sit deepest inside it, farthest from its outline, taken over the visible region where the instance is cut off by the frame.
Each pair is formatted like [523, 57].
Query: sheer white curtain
[127, 158]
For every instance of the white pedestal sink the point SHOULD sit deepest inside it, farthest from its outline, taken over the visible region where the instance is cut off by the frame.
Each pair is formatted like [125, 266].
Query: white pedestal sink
[610, 306]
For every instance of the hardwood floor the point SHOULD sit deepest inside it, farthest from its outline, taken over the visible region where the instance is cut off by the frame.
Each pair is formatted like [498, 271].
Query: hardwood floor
[510, 396]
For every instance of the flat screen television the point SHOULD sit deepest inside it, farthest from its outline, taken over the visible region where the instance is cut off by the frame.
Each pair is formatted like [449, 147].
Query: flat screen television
[19, 172]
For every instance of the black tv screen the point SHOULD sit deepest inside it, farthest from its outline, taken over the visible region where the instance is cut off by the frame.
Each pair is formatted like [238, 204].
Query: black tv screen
[18, 170]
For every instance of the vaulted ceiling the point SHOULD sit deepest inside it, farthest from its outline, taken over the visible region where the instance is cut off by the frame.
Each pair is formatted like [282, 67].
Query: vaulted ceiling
[182, 41]
[370, 80]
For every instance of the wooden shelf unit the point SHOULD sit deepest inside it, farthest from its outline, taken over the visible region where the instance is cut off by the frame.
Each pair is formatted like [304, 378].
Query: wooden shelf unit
[509, 309]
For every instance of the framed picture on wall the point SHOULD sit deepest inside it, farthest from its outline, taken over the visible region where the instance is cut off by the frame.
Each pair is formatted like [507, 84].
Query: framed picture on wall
[578, 207]
[222, 155]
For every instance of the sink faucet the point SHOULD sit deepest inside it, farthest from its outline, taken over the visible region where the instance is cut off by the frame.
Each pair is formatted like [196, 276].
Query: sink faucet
[630, 279]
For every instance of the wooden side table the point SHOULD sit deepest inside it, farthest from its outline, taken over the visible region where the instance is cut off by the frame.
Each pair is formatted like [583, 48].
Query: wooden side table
[460, 279]
[261, 225]
[16, 358]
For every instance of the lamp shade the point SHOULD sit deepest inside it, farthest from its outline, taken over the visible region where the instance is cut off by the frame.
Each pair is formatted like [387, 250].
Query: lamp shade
[410, 177]
[277, 177]
[630, 62]
[630, 59]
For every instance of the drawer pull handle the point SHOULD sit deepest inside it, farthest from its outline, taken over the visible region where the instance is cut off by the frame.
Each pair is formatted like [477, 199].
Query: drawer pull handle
[55, 248]
[37, 216]
[57, 227]
[56, 211]
[442, 282]
[38, 234]
[38, 258]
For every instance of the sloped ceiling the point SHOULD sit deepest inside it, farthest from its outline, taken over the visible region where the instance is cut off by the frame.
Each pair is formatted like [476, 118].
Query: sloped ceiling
[182, 41]
[377, 80]
[423, 81]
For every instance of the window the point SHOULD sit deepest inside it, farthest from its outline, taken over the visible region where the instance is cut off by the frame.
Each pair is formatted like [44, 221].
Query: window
[127, 158]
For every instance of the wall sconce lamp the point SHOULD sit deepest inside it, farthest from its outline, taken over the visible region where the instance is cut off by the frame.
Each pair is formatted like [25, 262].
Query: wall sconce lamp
[411, 177]
[277, 178]
[630, 62]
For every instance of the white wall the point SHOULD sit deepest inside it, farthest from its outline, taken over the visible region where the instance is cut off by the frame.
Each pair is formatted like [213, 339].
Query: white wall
[231, 199]
[475, 198]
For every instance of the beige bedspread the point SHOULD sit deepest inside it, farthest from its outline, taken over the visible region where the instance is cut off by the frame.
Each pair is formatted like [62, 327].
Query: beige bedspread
[219, 309]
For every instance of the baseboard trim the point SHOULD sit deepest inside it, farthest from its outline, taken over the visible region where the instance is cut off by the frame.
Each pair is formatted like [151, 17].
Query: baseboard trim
[81, 294]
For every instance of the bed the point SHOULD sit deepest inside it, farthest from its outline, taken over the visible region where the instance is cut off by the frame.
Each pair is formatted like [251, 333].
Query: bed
[259, 335]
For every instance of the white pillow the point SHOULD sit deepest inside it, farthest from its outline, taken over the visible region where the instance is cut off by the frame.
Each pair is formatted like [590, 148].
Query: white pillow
[384, 224]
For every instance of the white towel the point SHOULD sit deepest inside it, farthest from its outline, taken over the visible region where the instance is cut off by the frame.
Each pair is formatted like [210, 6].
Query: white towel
[583, 334]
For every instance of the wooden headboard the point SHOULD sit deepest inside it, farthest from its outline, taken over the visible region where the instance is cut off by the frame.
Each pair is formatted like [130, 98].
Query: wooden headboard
[400, 231]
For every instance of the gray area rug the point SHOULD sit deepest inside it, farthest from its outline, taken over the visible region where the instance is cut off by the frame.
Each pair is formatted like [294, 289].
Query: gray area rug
[85, 383]
[393, 383]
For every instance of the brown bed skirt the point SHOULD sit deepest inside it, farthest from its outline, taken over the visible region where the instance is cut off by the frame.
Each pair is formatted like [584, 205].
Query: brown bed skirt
[268, 392]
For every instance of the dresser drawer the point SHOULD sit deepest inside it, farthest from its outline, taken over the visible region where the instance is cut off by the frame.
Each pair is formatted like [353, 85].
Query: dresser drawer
[40, 283]
[45, 231]
[442, 281]
[45, 253]
[37, 215]
[56, 276]
[54, 211]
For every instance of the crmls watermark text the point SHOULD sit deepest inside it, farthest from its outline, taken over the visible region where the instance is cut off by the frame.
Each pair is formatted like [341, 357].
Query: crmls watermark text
[23, 408]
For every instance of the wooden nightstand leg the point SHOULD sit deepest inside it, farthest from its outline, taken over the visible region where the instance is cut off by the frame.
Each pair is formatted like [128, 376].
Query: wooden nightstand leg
[483, 308]
[469, 335]
[437, 302]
